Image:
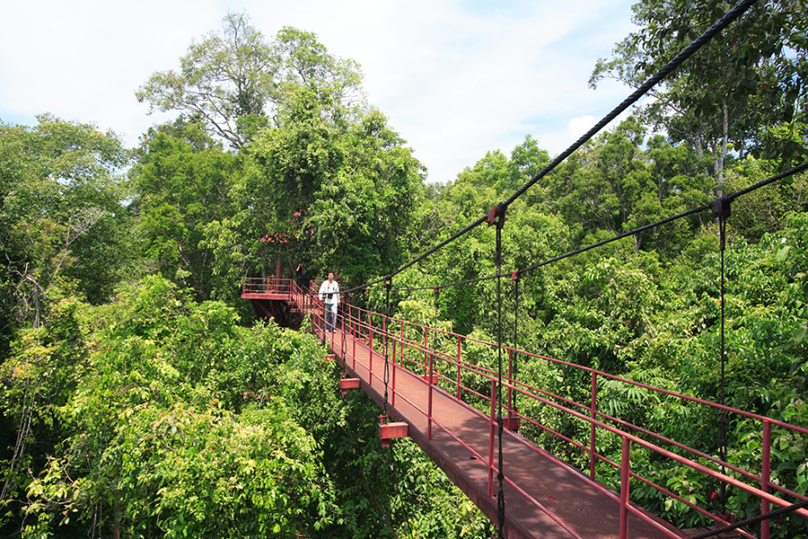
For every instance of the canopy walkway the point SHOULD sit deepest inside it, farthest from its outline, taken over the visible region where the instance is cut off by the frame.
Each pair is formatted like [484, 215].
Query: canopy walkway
[436, 384]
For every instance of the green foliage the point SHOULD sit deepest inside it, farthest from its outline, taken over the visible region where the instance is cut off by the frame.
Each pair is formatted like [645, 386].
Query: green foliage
[743, 86]
[184, 181]
[236, 82]
[353, 185]
[60, 199]
[158, 416]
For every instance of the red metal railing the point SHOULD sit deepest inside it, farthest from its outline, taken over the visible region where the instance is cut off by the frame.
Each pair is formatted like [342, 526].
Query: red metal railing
[267, 285]
[425, 351]
[442, 359]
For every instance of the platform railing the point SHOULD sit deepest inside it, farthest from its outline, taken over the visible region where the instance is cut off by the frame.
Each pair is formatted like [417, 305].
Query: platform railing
[267, 285]
[441, 359]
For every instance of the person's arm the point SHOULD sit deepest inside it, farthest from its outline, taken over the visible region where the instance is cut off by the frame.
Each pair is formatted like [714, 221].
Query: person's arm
[337, 291]
[322, 289]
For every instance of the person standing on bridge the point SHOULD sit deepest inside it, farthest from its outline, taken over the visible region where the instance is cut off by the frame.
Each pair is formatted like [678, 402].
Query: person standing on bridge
[329, 295]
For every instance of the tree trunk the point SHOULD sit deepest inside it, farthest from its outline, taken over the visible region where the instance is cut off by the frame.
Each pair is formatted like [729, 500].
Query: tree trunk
[721, 156]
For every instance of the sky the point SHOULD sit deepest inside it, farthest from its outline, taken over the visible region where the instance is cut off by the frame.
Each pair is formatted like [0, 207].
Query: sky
[456, 78]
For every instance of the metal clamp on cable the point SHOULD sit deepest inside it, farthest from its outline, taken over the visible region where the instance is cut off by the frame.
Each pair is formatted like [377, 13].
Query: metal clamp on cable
[493, 213]
[721, 210]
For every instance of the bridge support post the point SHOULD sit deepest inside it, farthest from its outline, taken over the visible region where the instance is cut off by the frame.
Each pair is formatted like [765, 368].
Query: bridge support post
[592, 414]
[353, 334]
[429, 402]
[766, 462]
[625, 476]
[459, 357]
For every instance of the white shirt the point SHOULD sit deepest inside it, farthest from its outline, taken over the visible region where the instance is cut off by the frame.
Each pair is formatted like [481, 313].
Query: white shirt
[329, 288]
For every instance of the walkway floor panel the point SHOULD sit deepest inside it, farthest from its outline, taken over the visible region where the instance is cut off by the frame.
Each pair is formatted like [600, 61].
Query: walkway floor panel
[563, 491]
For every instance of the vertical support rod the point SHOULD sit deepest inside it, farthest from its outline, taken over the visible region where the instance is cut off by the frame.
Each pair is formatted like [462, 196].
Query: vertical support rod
[426, 353]
[394, 361]
[515, 279]
[342, 344]
[767, 463]
[625, 468]
[491, 434]
[353, 330]
[370, 344]
[429, 403]
[592, 413]
[510, 384]
[459, 358]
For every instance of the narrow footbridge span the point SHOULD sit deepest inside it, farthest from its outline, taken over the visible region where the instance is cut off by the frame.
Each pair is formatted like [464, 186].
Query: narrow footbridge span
[438, 386]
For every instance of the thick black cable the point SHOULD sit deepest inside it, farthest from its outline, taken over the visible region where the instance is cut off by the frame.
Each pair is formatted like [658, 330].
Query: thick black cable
[500, 474]
[470, 281]
[691, 49]
[723, 210]
[616, 238]
[752, 520]
[767, 181]
[704, 207]
[686, 213]
[448, 240]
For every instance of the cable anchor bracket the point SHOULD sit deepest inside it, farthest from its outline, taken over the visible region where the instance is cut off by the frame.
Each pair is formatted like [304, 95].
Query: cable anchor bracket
[497, 211]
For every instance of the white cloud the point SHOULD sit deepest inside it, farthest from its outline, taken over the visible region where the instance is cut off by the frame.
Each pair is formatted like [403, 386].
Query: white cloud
[578, 126]
[455, 80]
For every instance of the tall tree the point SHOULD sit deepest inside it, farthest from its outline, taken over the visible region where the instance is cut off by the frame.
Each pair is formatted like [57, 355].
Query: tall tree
[61, 188]
[745, 90]
[184, 180]
[353, 185]
[235, 81]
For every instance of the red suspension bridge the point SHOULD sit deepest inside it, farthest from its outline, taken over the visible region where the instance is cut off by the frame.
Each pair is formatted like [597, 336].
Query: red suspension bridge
[444, 400]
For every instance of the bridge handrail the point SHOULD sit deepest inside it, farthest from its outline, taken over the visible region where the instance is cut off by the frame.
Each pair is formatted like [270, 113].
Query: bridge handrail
[309, 303]
[490, 372]
[594, 419]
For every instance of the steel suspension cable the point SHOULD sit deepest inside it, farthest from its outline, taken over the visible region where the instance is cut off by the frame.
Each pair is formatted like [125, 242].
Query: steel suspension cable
[499, 213]
[753, 520]
[691, 49]
[721, 210]
[652, 81]
[686, 213]
[426, 254]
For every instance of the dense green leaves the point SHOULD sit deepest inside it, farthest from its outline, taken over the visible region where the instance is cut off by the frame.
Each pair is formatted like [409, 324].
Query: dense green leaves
[148, 410]
[236, 82]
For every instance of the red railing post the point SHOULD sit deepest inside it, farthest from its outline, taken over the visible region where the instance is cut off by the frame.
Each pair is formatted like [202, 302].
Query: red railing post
[459, 358]
[370, 344]
[625, 468]
[491, 421]
[401, 361]
[394, 367]
[426, 353]
[429, 403]
[353, 330]
[767, 463]
[592, 414]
